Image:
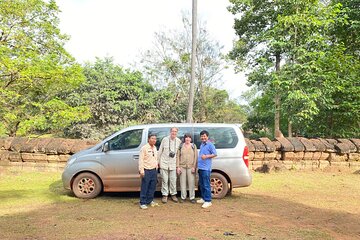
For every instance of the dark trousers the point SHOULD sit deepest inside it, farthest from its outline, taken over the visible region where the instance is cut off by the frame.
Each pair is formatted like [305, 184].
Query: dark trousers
[148, 186]
[204, 185]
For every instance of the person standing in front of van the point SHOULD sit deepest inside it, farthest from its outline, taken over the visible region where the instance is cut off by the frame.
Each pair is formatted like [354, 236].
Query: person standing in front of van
[148, 164]
[206, 154]
[186, 161]
[167, 160]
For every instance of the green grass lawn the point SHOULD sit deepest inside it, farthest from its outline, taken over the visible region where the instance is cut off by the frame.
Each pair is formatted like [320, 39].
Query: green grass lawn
[285, 205]
[26, 191]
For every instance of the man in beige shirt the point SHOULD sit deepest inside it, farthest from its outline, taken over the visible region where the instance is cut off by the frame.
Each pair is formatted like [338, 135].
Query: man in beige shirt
[167, 159]
[148, 164]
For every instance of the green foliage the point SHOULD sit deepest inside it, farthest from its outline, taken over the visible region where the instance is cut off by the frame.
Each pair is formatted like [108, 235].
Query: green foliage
[219, 108]
[43, 90]
[116, 97]
[34, 69]
[293, 52]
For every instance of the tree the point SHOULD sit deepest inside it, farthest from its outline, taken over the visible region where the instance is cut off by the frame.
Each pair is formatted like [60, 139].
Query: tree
[294, 57]
[219, 107]
[190, 108]
[35, 69]
[259, 47]
[117, 98]
[342, 110]
[167, 66]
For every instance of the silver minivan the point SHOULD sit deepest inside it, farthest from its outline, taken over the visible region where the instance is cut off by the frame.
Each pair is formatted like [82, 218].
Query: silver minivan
[112, 164]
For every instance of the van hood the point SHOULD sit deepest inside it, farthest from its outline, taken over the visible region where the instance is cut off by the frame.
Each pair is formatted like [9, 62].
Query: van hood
[84, 151]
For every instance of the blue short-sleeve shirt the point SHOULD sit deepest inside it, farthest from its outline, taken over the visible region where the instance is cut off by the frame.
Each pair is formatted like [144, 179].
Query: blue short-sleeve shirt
[207, 148]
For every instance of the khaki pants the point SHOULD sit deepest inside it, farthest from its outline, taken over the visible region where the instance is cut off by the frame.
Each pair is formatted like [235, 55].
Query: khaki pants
[186, 174]
[168, 182]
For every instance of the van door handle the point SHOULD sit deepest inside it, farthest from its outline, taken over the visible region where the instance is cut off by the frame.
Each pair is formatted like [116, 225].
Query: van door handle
[136, 157]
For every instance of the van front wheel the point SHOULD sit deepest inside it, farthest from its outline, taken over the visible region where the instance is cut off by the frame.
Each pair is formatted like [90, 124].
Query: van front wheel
[219, 185]
[86, 185]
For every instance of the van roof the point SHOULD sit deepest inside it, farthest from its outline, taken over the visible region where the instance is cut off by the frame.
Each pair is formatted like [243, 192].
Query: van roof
[187, 125]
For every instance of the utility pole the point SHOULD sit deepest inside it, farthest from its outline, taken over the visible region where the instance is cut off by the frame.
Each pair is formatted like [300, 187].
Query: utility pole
[189, 118]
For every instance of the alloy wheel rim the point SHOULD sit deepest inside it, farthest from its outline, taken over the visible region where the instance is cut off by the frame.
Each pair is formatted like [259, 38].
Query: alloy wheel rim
[216, 186]
[86, 186]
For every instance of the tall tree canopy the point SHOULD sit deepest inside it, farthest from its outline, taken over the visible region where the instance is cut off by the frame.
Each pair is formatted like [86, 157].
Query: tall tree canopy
[295, 56]
[35, 69]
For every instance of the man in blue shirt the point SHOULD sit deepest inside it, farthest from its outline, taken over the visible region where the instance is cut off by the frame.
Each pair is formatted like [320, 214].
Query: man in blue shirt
[206, 154]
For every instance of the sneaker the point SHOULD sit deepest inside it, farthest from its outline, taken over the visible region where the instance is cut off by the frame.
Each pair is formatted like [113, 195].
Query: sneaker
[200, 201]
[154, 204]
[174, 198]
[182, 200]
[164, 199]
[143, 207]
[206, 204]
[192, 200]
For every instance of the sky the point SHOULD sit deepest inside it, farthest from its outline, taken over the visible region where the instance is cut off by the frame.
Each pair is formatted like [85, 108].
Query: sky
[122, 29]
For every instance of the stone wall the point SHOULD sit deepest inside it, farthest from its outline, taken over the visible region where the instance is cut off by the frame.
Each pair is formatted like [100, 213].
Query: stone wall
[264, 154]
[39, 153]
[301, 153]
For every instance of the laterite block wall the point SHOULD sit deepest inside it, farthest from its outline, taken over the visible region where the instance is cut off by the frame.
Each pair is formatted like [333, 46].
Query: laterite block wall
[265, 155]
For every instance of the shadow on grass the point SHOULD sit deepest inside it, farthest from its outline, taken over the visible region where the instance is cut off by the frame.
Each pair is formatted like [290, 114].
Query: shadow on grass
[58, 189]
[257, 216]
[133, 194]
[13, 194]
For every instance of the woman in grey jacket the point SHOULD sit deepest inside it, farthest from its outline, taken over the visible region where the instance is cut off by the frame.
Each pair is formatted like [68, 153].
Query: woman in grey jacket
[186, 162]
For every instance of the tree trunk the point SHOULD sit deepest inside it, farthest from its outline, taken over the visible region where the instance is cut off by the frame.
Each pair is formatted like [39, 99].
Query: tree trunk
[189, 118]
[290, 128]
[277, 100]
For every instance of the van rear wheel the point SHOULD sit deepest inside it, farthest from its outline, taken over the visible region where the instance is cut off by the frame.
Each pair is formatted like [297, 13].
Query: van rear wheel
[219, 185]
[86, 185]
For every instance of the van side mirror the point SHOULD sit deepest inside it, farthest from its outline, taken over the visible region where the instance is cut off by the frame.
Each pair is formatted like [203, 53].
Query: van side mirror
[106, 147]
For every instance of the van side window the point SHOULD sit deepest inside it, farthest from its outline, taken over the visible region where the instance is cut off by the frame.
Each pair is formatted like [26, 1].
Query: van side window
[162, 132]
[126, 140]
[222, 137]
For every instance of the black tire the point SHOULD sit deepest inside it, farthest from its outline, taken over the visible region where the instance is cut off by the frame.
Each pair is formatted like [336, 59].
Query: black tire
[219, 185]
[86, 185]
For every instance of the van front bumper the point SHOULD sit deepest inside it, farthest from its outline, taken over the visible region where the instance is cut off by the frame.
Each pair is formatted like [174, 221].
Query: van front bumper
[66, 179]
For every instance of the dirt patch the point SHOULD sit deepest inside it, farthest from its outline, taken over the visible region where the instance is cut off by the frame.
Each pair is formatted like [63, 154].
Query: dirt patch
[277, 206]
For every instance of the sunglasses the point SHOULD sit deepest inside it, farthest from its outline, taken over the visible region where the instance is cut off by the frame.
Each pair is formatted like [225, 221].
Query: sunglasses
[153, 153]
